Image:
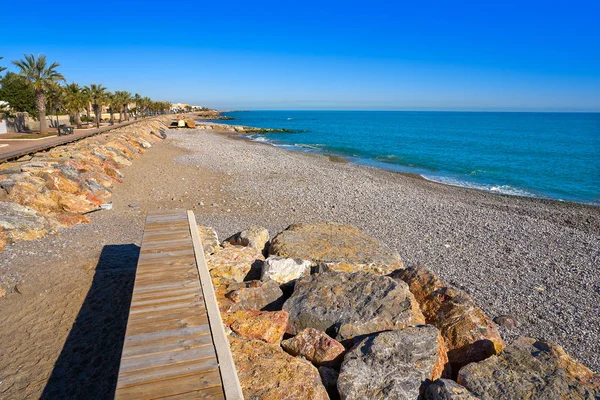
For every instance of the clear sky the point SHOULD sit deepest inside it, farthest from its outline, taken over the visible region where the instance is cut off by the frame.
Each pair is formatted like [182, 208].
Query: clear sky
[395, 55]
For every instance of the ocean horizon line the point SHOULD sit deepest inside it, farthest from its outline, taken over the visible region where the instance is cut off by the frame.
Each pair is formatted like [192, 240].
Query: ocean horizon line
[423, 111]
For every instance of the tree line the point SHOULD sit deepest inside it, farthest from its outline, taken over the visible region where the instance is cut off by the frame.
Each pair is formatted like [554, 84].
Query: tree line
[38, 87]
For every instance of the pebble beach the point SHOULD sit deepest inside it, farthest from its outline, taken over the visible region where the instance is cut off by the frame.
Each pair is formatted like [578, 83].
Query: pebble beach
[535, 260]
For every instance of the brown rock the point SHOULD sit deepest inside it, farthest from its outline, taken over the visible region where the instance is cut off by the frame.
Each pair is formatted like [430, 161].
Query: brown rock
[470, 335]
[236, 263]
[72, 203]
[57, 181]
[28, 194]
[316, 346]
[255, 237]
[209, 239]
[445, 389]
[266, 372]
[530, 369]
[261, 325]
[341, 247]
[2, 292]
[252, 295]
[507, 321]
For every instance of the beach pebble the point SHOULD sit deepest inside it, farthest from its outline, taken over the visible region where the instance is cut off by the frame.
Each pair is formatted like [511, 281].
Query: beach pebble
[507, 321]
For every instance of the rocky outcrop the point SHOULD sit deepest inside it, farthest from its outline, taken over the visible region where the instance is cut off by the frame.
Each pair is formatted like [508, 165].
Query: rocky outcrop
[341, 247]
[255, 237]
[346, 305]
[393, 364]
[209, 239]
[66, 182]
[469, 333]
[284, 270]
[530, 369]
[445, 389]
[266, 372]
[261, 325]
[237, 263]
[315, 346]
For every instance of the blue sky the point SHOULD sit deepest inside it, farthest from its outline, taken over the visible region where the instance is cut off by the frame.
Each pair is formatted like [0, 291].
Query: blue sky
[426, 55]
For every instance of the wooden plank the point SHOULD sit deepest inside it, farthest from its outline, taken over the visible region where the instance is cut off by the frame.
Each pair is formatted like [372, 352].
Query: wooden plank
[168, 299]
[149, 326]
[168, 306]
[138, 340]
[166, 255]
[171, 357]
[214, 393]
[163, 286]
[153, 374]
[163, 293]
[172, 344]
[231, 383]
[170, 387]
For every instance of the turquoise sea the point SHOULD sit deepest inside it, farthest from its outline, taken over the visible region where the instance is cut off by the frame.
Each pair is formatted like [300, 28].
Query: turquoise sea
[547, 155]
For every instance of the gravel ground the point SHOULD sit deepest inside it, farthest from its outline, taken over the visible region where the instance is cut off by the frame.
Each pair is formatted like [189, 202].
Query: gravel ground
[533, 259]
[536, 260]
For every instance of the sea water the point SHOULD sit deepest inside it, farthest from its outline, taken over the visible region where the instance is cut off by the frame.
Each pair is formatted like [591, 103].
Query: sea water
[546, 155]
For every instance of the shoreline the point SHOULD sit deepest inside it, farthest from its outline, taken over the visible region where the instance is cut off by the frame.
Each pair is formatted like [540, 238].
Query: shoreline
[240, 135]
[392, 167]
[533, 259]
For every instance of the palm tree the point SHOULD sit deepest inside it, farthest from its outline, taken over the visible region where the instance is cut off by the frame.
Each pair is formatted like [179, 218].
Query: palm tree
[122, 100]
[125, 100]
[87, 95]
[98, 97]
[40, 76]
[138, 102]
[55, 101]
[2, 68]
[75, 101]
[112, 101]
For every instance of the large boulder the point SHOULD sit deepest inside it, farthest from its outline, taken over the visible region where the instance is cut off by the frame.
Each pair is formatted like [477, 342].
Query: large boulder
[345, 305]
[266, 372]
[236, 263]
[255, 237]
[285, 270]
[530, 369]
[315, 346]
[261, 325]
[252, 295]
[392, 364]
[446, 389]
[341, 247]
[469, 333]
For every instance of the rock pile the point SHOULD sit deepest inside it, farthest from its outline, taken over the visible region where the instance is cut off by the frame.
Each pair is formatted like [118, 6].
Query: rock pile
[360, 325]
[39, 194]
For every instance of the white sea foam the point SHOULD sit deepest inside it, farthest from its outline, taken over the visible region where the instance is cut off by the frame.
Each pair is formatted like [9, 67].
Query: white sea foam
[502, 189]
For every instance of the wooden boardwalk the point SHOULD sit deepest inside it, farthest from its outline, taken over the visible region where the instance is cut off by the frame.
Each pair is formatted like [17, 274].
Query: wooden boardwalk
[175, 346]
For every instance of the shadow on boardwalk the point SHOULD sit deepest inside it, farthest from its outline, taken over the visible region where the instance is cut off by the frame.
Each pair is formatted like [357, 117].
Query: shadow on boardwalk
[88, 365]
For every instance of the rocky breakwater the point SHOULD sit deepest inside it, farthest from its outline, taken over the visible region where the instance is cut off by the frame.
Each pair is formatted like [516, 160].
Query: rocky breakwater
[56, 188]
[333, 313]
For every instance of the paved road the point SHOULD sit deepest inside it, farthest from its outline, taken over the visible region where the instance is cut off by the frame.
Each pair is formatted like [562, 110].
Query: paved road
[18, 148]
